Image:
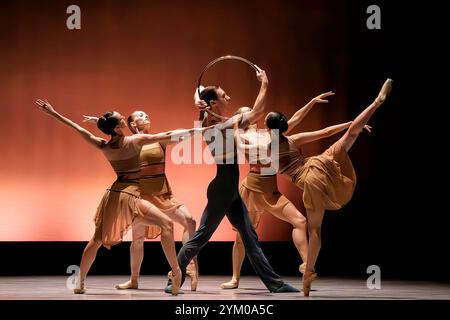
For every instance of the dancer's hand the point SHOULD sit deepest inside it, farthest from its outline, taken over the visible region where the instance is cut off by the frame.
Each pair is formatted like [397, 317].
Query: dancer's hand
[45, 106]
[261, 75]
[201, 105]
[368, 128]
[321, 98]
[90, 119]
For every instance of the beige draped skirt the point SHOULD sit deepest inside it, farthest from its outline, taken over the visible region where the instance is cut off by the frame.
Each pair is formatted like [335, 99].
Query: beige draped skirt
[260, 194]
[116, 212]
[327, 180]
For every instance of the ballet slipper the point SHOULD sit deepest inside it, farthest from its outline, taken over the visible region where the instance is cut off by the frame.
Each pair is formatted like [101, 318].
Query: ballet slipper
[130, 284]
[308, 278]
[302, 267]
[81, 289]
[232, 284]
[384, 92]
[192, 272]
[176, 281]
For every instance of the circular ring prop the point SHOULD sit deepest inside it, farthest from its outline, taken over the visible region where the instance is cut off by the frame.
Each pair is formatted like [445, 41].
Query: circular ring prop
[209, 65]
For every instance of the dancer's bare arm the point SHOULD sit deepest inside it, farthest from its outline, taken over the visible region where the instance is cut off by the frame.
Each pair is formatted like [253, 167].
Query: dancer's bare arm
[46, 107]
[182, 137]
[258, 108]
[301, 114]
[305, 137]
[164, 143]
[260, 103]
[143, 139]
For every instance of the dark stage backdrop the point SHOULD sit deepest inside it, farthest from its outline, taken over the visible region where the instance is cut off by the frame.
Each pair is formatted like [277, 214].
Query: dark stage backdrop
[147, 55]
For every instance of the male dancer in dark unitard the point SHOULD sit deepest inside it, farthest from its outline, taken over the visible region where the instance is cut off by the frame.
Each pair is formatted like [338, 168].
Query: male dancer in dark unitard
[223, 195]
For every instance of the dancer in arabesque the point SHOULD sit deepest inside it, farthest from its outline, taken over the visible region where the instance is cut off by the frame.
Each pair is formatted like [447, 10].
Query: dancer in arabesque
[328, 180]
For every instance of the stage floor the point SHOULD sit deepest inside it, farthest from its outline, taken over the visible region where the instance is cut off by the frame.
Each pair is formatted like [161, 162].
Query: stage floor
[251, 288]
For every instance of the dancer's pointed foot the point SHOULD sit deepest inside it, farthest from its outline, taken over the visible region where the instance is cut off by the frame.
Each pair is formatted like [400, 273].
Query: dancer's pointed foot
[192, 272]
[175, 278]
[232, 284]
[384, 92]
[130, 284]
[308, 278]
[285, 288]
[80, 289]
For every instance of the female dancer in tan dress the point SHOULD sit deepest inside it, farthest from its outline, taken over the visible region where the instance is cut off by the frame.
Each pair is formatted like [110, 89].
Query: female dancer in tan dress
[155, 188]
[260, 194]
[327, 180]
[121, 205]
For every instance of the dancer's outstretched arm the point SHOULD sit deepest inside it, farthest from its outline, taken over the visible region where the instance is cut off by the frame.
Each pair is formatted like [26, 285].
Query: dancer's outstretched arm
[301, 114]
[258, 107]
[45, 106]
[260, 103]
[306, 137]
[164, 143]
[143, 139]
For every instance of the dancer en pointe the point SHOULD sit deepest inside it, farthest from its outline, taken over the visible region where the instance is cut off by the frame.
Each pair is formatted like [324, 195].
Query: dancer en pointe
[121, 205]
[223, 195]
[327, 180]
[156, 189]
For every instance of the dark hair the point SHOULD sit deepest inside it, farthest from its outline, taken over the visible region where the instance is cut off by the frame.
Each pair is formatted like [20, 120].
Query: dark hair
[277, 120]
[130, 119]
[208, 94]
[107, 123]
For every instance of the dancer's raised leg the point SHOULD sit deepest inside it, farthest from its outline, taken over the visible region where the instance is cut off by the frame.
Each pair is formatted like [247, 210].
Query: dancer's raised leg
[352, 133]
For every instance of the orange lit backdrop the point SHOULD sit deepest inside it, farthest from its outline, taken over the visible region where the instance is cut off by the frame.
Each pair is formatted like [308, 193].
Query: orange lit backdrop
[145, 55]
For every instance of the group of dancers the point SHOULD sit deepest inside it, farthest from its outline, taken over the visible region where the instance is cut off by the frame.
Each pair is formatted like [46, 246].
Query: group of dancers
[141, 197]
